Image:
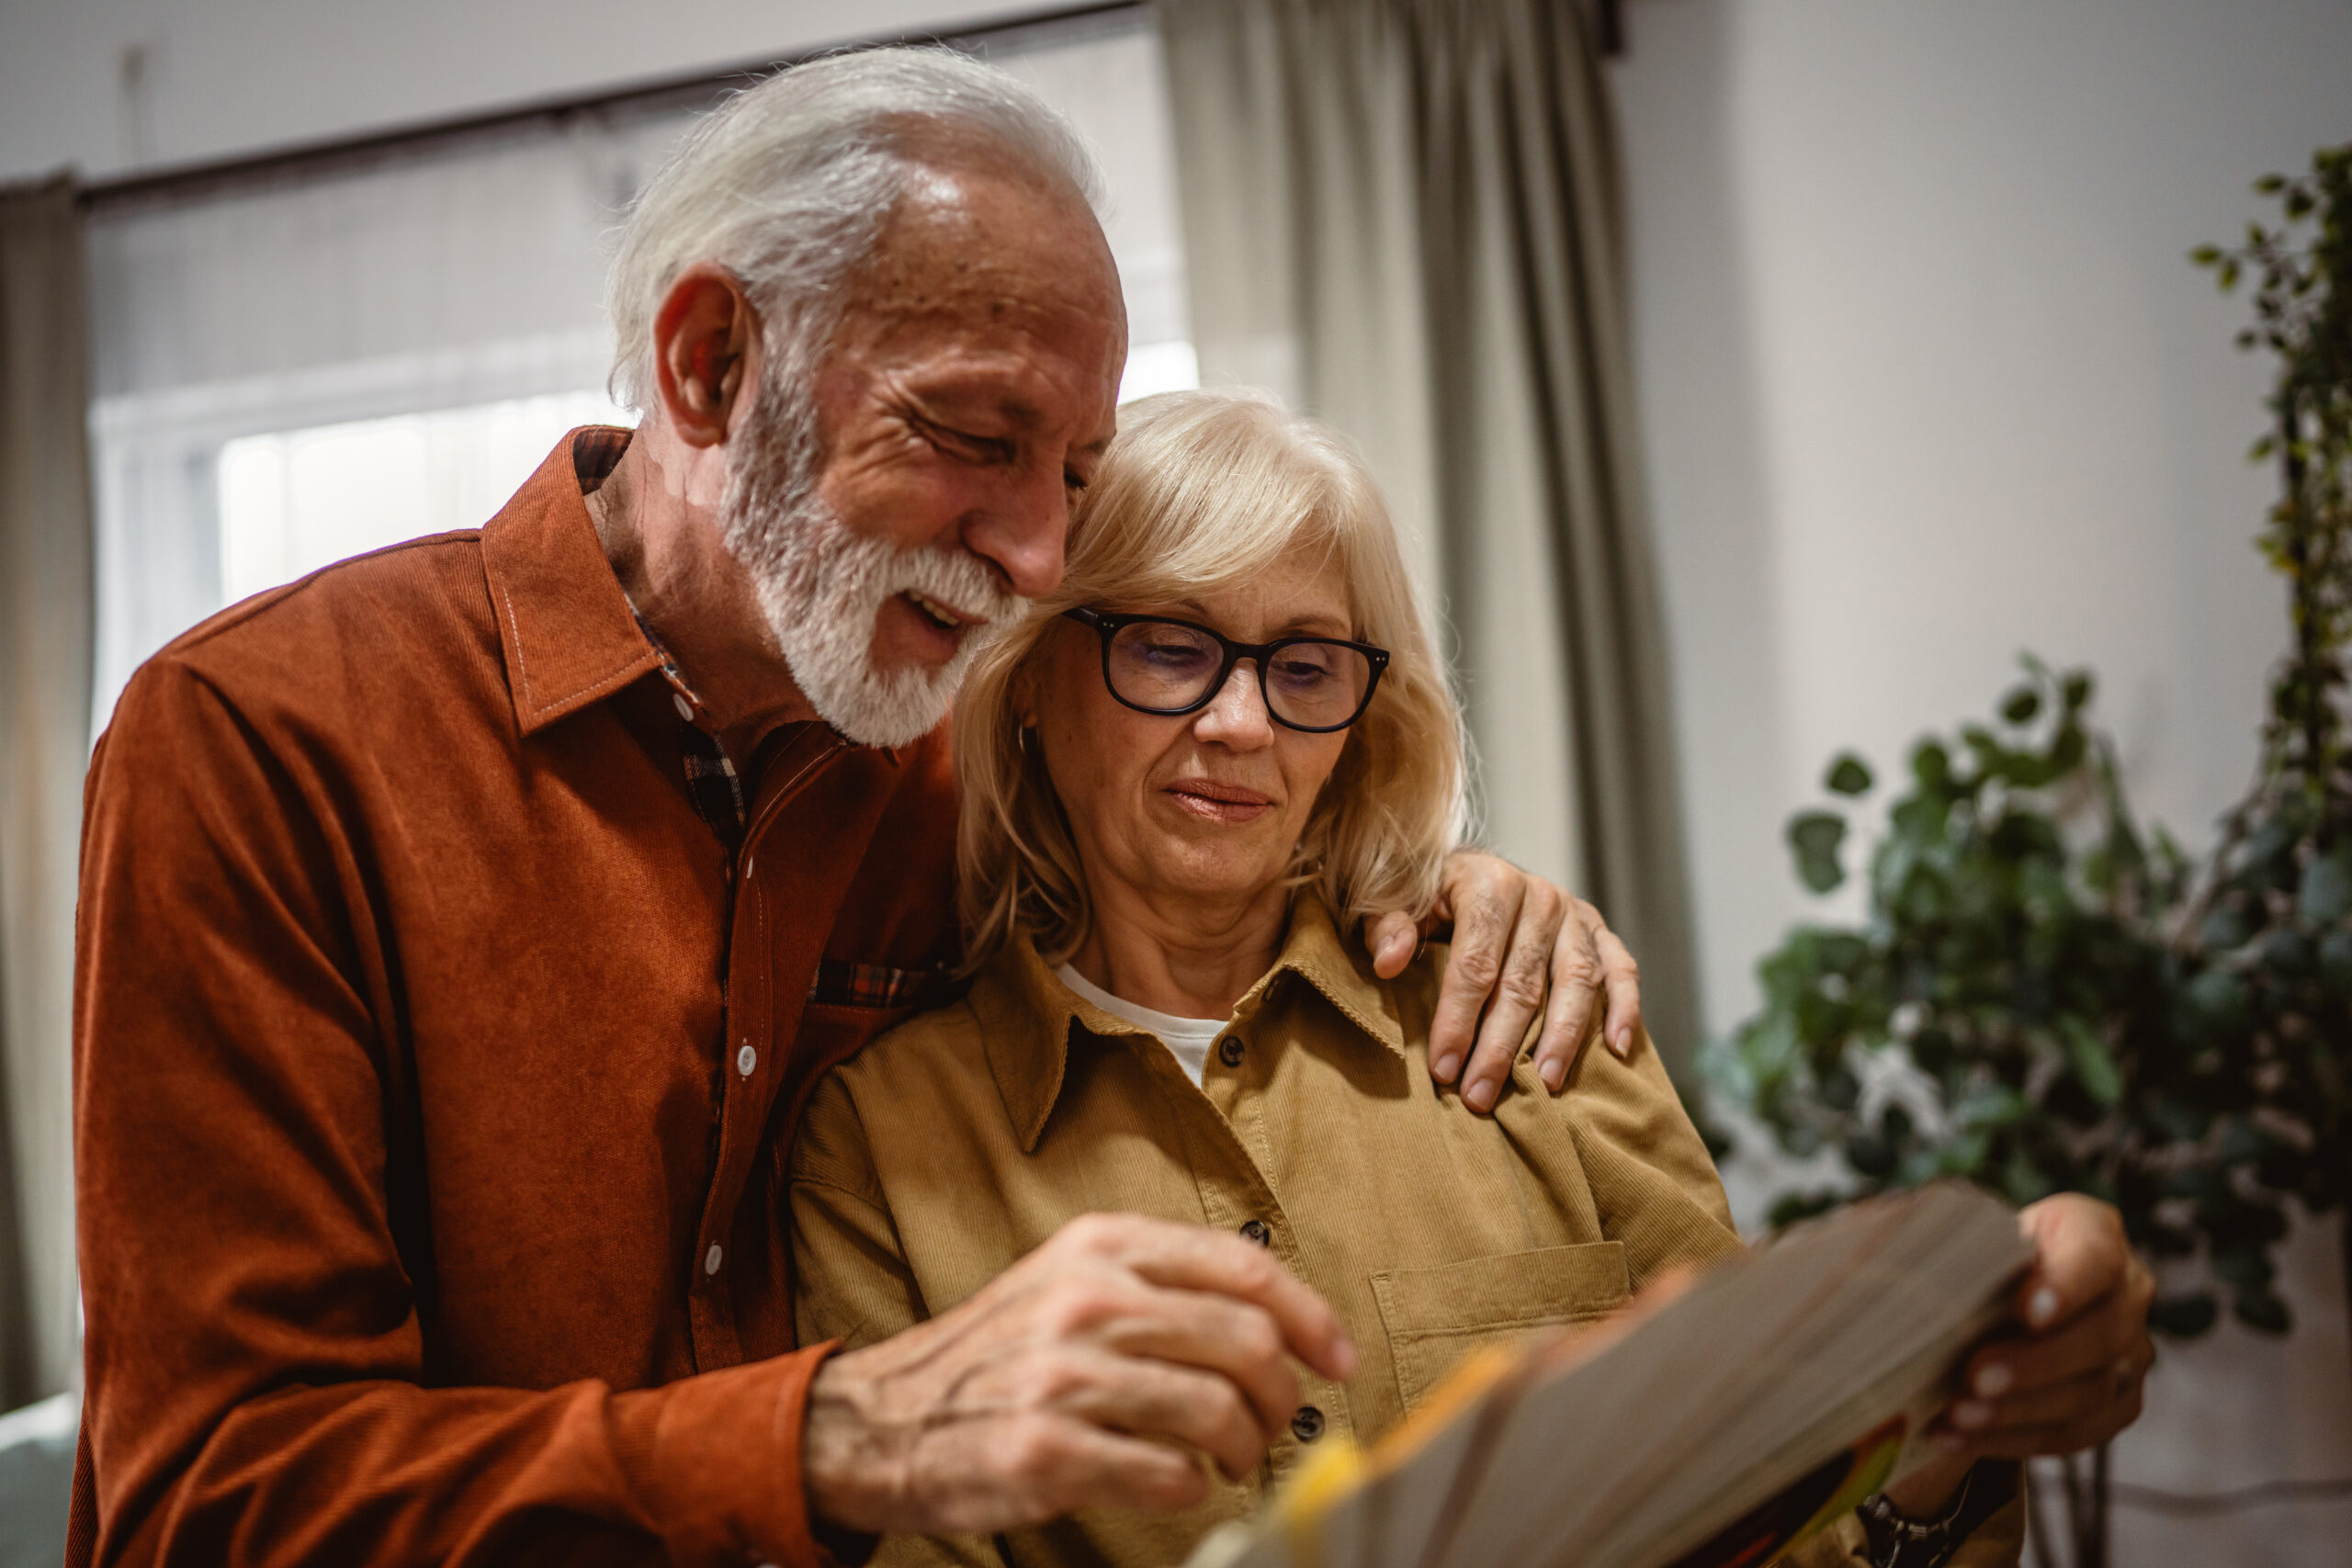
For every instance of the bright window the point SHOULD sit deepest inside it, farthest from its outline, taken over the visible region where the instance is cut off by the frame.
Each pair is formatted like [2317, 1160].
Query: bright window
[295, 501]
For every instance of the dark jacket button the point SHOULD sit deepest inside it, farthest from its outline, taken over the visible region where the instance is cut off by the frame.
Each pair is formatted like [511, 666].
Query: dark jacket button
[1229, 1052]
[1257, 1231]
[1308, 1425]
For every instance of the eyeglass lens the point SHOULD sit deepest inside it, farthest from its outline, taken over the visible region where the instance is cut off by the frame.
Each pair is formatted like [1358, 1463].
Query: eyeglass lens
[1312, 684]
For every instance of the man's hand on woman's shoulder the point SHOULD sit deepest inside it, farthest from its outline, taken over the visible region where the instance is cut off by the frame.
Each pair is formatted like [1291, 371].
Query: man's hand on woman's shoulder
[1517, 939]
[1091, 1373]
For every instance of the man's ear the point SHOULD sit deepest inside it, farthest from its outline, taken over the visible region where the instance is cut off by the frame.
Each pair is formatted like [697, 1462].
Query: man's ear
[705, 337]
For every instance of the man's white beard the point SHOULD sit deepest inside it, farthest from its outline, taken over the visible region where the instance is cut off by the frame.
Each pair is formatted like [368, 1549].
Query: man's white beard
[824, 586]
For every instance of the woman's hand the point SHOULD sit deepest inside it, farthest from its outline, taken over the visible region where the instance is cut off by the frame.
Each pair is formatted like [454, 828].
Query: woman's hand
[1516, 937]
[2067, 1376]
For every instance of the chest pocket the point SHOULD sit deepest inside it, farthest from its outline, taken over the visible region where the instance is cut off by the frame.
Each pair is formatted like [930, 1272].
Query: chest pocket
[1435, 1316]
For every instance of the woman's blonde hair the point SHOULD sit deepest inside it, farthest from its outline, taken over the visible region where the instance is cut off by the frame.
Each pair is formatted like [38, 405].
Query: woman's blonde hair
[1202, 491]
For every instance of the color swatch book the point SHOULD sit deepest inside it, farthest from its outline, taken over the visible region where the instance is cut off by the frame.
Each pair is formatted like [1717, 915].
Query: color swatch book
[1771, 1397]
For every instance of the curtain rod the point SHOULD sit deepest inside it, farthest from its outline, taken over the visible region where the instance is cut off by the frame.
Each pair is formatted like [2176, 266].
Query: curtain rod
[690, 90]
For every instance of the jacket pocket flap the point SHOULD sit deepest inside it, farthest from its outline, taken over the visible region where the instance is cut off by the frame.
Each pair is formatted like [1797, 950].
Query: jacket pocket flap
[1434, 1316]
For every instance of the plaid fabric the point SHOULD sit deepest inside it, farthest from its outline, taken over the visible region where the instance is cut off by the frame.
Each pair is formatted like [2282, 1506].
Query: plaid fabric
[596, 451]
[712, 782]
[840, 982]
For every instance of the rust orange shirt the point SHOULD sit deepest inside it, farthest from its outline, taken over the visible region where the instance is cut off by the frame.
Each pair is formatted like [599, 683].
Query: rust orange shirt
[436, 1064]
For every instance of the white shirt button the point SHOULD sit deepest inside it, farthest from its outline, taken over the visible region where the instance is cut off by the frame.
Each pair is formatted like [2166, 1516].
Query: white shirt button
[746, 1060]
[686, 709]
[711, 1260]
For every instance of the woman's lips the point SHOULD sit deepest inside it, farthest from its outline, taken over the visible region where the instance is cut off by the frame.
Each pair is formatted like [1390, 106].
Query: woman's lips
[1218, 802]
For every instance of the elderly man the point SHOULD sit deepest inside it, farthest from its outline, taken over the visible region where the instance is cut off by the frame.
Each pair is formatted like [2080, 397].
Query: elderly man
[462, 929]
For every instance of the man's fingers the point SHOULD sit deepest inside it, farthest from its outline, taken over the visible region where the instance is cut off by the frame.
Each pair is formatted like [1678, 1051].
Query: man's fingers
[1484, 895]
[1567, 1025]
[1149, 1396]
[1576, 996]
[1235, 1343]
[1622, 979]
[1392, 940]
[1518, 993]
[1192, 1257]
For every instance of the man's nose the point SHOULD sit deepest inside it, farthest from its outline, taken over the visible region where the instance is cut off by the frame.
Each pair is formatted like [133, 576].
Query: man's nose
[1023, 534]
[1237, 716]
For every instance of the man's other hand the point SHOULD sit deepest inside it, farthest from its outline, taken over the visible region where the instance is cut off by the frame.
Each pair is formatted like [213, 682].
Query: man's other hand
[1515, 938]
[1094, 1372]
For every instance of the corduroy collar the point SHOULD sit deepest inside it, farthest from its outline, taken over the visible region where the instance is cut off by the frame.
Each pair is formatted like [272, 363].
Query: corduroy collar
[565, 627]
[1031, 1020]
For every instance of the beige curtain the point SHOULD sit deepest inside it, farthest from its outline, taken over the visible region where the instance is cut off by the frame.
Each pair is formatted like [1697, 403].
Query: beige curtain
[45, 620]
[1403, 215]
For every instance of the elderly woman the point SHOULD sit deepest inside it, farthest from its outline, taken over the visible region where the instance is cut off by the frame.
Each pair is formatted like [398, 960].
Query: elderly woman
[1224, 741]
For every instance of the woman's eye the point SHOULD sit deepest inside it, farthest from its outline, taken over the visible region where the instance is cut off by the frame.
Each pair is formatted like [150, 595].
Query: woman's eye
[1173, 655]
[1298, 673]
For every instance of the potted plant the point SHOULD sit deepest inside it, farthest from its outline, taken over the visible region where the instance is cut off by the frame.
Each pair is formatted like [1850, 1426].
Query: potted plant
[2045, 996]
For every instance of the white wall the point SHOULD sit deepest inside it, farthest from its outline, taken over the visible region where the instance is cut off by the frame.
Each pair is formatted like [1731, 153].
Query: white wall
[1927, 381]
[229, 76]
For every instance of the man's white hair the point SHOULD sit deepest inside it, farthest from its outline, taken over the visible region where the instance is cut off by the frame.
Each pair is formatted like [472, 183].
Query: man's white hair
[790, 184]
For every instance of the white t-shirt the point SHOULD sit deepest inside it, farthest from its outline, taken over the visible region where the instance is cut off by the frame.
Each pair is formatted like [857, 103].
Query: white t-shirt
[1188, 1038]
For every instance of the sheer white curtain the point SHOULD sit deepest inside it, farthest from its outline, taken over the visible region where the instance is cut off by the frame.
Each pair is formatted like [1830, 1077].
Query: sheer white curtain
[447, 279]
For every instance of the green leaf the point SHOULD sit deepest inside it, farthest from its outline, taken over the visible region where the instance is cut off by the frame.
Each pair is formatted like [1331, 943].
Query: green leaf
[2205, 256]
[2094, 1065]
[1932, 766]
[2263, 1312]
[1848, 775]
[2335, 960]
[2326, 895]
[2184, 1318]
[2246, 1267]
[1792, 1207]
[1816, 838]
[2270, 184]
[2021, 705]
[1995, 1105]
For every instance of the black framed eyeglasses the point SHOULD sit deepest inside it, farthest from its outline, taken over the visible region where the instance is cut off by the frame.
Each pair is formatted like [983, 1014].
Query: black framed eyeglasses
[1155, 665]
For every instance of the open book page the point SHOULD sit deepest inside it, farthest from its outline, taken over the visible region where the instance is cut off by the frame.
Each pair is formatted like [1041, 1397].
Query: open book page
[1775, 1395]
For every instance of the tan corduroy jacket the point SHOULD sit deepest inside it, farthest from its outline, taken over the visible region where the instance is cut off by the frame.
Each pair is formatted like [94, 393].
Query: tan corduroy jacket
[968, 1135]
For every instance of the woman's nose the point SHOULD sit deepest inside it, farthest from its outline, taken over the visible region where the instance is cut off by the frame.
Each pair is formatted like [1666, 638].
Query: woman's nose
[1237, 716]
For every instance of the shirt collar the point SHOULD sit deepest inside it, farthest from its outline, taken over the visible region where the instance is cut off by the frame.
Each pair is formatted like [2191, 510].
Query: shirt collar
[1029, 1020]
[567, 631]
